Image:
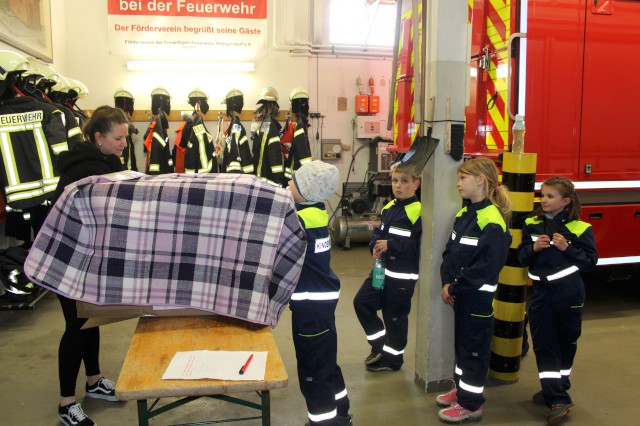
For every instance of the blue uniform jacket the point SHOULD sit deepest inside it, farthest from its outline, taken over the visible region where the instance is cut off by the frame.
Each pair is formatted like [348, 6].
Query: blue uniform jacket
[581, 252]
[317, 281]
[477, 249]
[401, 226]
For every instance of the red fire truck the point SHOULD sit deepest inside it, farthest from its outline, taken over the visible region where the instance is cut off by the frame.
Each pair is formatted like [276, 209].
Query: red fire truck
[570, 67]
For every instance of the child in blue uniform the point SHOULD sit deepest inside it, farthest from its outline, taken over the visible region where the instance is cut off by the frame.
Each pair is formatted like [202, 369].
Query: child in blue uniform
[557, 246]
[471, 262]
[397, 241]
[314, 301]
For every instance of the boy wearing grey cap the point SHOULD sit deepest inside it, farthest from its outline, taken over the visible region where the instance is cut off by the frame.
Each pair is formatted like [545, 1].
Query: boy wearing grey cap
[314, 301]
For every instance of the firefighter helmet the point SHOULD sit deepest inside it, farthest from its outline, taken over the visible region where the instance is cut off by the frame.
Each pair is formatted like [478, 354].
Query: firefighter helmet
[11, 62]
[34, 69]
[160, 100]
[160, 91]
[62, 85]
[122, 92]
[232, 94]
[44, 74]
[81, 90]
[269, 94]
[198, 93]
[298, 93]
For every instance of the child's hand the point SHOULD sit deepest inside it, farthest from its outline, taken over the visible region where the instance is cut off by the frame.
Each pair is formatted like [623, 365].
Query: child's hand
[559, 242]
[543, 242]
[380, 248]
[446, 297]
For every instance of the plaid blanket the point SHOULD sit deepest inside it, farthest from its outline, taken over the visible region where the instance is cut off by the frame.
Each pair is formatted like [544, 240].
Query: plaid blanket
[225, 243]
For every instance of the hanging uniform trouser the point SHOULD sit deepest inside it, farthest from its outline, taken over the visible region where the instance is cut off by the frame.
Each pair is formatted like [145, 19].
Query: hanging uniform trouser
[473, 313]
[389, 335]
[316, 343]
[555, 320]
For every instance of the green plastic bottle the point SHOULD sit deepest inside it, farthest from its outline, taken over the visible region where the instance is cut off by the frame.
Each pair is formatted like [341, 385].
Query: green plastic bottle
[378, 274]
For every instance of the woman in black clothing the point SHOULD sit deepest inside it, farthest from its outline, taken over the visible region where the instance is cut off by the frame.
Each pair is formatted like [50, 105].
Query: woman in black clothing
[105, 135]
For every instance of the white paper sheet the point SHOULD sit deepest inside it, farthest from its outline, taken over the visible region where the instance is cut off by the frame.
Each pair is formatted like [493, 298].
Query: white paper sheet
[221, 365]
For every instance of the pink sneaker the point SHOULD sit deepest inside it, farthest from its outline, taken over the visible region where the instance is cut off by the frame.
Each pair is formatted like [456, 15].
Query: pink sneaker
[448, 398]
[457, 414]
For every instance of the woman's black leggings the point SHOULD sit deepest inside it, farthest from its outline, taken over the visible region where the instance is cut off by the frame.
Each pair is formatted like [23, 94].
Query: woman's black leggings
[76, 345]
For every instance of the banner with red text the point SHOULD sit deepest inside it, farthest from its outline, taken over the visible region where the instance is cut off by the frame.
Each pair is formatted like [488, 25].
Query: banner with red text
[194, 29]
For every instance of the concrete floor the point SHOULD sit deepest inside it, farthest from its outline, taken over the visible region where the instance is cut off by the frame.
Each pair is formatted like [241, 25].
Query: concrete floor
[606, 377]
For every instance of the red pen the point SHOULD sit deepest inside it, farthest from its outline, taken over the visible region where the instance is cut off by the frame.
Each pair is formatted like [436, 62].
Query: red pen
[246, 364]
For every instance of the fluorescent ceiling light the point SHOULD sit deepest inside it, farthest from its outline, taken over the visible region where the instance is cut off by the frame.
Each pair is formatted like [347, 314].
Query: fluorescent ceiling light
[190, 66]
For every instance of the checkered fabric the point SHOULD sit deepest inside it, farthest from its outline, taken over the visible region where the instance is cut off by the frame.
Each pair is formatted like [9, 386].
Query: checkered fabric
[225, 243]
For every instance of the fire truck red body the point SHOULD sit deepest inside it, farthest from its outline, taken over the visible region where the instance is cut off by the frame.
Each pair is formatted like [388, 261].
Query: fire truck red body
[573, 73]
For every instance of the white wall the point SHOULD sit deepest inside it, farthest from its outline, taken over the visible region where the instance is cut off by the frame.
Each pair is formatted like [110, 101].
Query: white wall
[81, 51]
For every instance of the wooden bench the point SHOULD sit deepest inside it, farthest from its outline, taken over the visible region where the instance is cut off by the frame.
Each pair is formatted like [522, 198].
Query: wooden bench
[155, 342]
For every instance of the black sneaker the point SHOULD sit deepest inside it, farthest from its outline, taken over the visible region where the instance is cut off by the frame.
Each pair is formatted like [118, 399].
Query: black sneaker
[72, 415]
[538, 398]
[372, 358]
[103, 389]
[381, 366]
[340, 421]
[344, 421]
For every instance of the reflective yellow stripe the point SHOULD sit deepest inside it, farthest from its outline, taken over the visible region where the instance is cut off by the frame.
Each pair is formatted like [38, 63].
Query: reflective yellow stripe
[9, 160]
[200, 133]
[261, 154]
[60, 147]
[74, 131]
[15, 189]
[298, 132]
[24, 195]
[234, 165]
[159, 139]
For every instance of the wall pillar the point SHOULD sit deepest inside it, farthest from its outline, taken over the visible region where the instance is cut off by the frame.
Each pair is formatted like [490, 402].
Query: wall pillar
[447, 77]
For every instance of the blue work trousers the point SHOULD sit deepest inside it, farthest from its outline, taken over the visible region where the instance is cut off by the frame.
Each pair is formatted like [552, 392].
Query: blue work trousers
[394, 300]
[315, 339]
[555, 319]
[473, 313]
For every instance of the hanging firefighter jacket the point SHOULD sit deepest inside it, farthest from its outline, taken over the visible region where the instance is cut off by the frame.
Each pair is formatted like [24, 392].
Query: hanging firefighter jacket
[128, 157]
[286, 137]
[80, 115]
[178, 149]
[198, 157]
[267, 152]
[237, 153]
[156, 143]
[32, 134]
[300, 151]
[74, 132]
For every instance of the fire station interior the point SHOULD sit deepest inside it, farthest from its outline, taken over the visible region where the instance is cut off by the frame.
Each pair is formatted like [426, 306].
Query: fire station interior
[354, 89]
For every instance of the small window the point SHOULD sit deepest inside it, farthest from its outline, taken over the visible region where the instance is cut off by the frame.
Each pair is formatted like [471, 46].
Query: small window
[362, 22]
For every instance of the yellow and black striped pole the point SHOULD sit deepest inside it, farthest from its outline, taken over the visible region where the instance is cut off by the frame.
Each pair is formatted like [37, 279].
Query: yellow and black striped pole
[518, 175]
